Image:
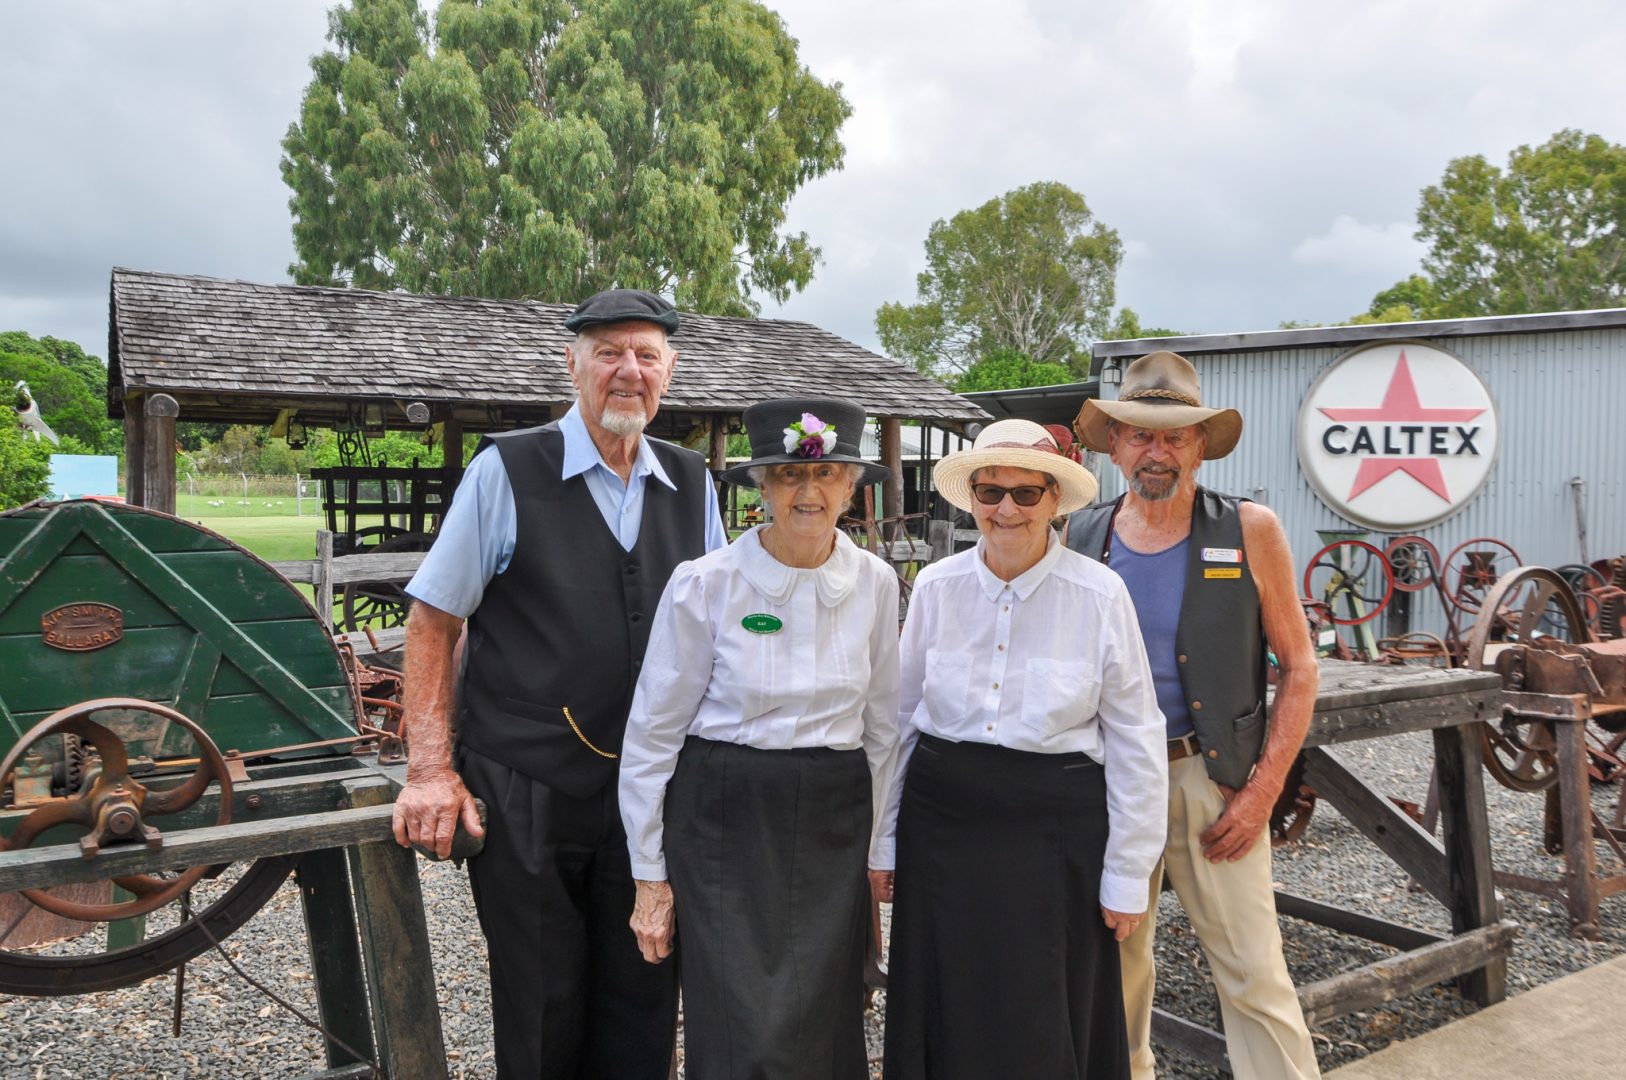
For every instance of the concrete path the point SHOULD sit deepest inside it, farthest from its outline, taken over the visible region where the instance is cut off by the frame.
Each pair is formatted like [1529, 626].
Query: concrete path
[1570, 1028]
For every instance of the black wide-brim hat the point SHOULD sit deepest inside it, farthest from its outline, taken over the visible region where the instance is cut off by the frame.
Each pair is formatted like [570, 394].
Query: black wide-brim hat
[770, 426]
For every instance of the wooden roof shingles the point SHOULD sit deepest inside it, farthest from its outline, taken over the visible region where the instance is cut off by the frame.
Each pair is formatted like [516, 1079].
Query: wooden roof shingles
[186, 334]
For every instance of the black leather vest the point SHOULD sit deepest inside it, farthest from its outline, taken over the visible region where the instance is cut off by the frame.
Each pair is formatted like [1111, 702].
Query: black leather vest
[1219, 640]
[555, 646]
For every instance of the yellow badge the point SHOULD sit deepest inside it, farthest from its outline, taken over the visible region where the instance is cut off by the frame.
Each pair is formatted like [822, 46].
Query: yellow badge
[1222, 572]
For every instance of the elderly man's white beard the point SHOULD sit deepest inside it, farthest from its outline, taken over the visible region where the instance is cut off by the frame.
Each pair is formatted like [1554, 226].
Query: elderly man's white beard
[1154, 493]
[624, 424]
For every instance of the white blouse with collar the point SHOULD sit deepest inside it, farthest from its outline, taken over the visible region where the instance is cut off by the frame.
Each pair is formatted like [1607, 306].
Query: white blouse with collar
[827, 676]
[1050, 662]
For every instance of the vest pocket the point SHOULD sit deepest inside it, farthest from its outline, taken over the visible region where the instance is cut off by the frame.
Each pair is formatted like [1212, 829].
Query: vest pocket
[1239, 749]
[1056, 694]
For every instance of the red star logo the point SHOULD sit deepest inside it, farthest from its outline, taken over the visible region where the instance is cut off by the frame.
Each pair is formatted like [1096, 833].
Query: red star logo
[1400, 405]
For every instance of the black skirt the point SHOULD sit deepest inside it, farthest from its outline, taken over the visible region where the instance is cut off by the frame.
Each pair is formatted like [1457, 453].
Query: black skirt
[1000, 962]
[766, 851]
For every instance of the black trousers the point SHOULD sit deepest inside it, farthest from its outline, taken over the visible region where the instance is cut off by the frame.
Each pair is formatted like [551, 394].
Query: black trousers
[572, 998]
[1001, 965]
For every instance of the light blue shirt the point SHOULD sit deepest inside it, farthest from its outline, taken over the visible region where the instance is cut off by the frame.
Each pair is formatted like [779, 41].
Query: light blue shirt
[476, 538]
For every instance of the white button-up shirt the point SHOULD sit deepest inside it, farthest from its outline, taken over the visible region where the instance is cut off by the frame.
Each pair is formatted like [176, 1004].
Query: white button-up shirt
[1050, 662]
[826, 676]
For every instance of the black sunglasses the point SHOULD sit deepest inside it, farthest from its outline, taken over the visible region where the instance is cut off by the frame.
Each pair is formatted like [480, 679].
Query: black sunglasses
[993, 494]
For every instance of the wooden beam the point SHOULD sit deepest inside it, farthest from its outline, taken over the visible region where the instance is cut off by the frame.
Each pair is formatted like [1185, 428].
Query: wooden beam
[451, 435]
[1460, 769]
[341, 982]
[719, 443]
[158, 453]
[892, 458]
[135, 457]
[1398, 976]
[1346, 921]
[395, 945]
[1204, 1044]
[1380, 821]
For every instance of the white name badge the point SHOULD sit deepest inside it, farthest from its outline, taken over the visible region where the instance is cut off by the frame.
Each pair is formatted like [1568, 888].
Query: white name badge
[1222, 555]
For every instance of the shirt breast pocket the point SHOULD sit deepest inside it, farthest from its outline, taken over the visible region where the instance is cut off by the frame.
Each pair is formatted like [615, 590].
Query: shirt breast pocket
[948, 685]
[1058, 695]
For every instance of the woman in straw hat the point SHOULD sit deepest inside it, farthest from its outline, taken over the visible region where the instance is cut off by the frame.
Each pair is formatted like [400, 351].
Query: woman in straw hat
[762, 733]
[1029, 803]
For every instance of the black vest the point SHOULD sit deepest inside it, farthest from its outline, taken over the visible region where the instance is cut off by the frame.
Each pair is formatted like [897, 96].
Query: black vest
[1219, 641]
[556, 643]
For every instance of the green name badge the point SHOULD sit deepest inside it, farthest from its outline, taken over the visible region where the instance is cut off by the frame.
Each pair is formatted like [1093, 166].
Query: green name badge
[762, 624]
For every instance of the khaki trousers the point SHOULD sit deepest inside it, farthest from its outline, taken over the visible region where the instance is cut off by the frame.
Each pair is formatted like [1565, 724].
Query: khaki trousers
[1233, 911]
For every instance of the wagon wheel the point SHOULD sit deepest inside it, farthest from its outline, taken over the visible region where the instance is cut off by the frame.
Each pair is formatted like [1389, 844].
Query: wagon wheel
[1414, 561]
[1290, 817]
[381, 604]
[1528, 603]
[42, 975]
[1352, 578]
[1473, 569]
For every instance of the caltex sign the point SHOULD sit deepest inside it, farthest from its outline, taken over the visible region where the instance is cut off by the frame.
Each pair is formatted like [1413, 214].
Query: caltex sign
[1398, 435]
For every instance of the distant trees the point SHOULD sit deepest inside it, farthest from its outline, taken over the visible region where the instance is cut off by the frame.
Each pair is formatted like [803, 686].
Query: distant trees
[1548, 233]
[546, 149]
[1006, 369]
[25, 464]
[1030, 272]
[69, 386]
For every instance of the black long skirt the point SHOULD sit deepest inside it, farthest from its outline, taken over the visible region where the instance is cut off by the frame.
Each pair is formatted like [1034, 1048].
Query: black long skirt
[1000, 963]
[766, 851]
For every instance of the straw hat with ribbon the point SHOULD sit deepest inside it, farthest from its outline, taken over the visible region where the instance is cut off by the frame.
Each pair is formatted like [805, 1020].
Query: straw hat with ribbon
[1160, 391]
[1016, 444]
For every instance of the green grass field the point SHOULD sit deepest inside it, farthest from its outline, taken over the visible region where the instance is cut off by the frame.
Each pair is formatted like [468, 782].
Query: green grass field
[271, 538]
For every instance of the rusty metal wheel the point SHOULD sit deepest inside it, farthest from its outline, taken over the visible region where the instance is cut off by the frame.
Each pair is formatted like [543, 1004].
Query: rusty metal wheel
[115, 807]
[1528, 603]
[1473, 568]
[38, 973]
[1415, 562]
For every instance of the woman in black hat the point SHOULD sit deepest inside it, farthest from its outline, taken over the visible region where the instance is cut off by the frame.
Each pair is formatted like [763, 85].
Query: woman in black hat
[762, 732]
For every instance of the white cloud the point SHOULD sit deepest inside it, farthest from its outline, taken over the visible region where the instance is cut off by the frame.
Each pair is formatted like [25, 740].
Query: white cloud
[1356, 248]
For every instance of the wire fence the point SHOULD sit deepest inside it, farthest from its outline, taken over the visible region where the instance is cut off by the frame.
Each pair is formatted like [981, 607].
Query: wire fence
[246, 495]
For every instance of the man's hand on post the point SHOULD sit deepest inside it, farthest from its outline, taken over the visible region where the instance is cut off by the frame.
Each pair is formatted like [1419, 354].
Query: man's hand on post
[428, 810]
[1246, 814]
[653, 919]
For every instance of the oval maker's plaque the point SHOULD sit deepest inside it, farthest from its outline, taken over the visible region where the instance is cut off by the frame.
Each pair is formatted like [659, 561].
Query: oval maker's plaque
[82, 627]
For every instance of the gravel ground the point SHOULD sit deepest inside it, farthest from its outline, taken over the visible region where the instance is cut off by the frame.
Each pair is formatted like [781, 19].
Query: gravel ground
[231, 1030]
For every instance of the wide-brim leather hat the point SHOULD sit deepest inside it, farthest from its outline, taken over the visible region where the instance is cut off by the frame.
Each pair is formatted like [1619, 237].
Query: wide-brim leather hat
[1015, 444]
[1160, 391]
[803, 430]
[623, 305]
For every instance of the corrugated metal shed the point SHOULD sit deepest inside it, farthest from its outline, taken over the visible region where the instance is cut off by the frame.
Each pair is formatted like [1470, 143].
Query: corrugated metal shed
[1559, 382]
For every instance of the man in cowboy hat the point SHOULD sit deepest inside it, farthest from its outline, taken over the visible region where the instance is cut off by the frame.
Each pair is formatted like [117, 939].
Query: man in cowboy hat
[556, 550]
[1212, 580]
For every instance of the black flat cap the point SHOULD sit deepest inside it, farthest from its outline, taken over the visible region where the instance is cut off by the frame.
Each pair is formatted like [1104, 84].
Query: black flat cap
[623, 305]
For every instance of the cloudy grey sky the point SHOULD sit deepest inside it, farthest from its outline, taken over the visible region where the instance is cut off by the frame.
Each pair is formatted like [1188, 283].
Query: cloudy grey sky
[1261, 159]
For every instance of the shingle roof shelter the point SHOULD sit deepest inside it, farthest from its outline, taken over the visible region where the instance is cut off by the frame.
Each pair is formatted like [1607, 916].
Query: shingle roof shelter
[210, 349]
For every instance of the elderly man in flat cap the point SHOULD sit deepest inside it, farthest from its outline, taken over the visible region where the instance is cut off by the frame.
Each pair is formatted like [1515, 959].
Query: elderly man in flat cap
[1212, 579]
[556, 550]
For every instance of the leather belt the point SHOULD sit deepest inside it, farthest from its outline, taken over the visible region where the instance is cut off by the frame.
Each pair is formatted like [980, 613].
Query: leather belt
[1183, 747]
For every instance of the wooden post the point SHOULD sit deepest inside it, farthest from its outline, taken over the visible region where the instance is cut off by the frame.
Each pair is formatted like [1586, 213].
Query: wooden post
[558, 409]
[135, 458]
[940, 536]
[451, 443]
[719, 443]
[892, 458]
[330, 927]
[395, 944]
[1460, 766]
[158, 453]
